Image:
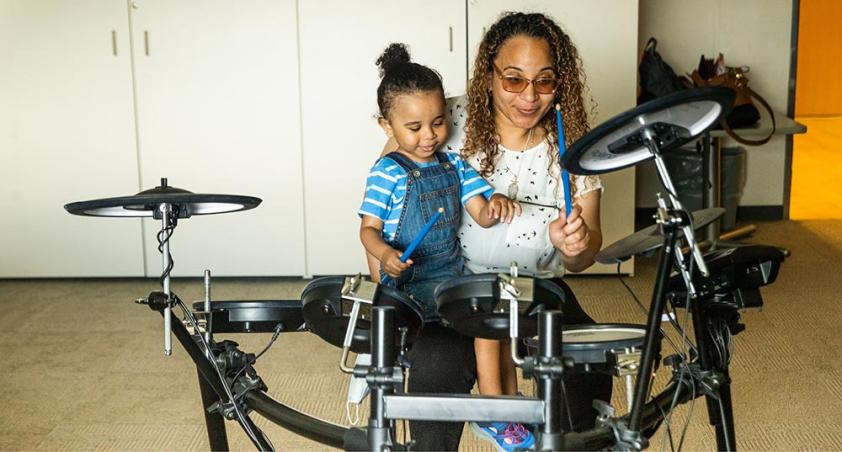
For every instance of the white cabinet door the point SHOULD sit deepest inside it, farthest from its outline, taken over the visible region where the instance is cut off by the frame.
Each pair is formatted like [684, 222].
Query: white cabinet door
[605, 33]
[339, 46]
[66, 134]
[218, 112]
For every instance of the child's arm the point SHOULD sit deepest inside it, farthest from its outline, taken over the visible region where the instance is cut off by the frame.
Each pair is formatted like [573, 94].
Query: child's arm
[373, 267]
[488, 212]
[371, 234]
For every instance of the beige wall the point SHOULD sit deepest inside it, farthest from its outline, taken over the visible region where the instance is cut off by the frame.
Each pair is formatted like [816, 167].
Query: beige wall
[753, 33]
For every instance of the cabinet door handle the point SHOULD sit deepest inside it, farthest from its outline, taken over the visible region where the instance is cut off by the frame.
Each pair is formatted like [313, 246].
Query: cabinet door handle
[146, 42]
[114, 42]
[450, 37]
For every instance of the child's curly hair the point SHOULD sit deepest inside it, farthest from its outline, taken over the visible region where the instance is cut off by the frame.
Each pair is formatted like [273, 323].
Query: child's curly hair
[399, 75]
[480, 131]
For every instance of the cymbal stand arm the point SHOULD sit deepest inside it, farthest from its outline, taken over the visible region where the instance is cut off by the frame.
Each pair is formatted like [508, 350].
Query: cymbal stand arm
[166, 210]
[207, 308]
[679, 256]
[650, 141]
[653, 326]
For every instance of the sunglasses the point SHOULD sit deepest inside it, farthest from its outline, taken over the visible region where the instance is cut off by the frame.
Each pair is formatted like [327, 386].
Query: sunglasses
[517, 84]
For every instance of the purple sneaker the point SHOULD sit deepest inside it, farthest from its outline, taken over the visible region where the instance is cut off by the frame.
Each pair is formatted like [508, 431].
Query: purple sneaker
[506, 436]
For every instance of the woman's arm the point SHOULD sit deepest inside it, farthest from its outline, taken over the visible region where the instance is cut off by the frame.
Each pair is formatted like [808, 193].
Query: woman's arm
[579, 239]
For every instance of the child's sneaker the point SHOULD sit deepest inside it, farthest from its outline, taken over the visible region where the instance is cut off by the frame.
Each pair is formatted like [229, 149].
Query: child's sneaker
[506, 436]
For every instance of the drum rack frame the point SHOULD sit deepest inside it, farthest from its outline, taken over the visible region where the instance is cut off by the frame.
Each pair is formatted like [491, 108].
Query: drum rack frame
[388, 406]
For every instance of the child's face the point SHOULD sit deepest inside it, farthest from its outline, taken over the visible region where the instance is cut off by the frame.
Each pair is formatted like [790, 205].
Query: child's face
[418, 123]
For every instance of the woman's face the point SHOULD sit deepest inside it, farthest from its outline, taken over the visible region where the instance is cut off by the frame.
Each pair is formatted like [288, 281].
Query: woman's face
[525, 57]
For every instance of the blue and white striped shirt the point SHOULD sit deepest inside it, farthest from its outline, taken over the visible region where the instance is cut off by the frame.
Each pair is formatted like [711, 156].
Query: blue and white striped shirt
[386, 186]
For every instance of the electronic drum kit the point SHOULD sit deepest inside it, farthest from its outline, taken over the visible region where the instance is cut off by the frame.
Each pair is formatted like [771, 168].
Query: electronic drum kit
[361, 316]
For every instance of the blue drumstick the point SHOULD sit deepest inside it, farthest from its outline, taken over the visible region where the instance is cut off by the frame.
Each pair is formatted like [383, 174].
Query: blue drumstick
[565, 176]
[417, 240]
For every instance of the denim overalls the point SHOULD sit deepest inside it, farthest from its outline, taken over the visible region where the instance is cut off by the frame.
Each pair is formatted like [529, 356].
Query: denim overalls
[437, 258]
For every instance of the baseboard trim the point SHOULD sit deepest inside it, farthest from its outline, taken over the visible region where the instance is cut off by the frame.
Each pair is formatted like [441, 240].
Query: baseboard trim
[761, 213]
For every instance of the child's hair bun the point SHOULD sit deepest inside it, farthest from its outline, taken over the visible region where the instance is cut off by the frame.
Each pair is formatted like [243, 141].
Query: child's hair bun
[394, 55]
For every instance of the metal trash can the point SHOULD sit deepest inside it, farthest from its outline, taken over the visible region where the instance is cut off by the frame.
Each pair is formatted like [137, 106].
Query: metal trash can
[685, 168]
[732, 178]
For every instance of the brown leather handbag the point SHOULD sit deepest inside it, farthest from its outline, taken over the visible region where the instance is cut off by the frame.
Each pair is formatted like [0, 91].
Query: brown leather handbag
[743, 113]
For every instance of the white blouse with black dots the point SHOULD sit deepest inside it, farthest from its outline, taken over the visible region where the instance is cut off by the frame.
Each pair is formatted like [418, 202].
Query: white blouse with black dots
[526, 240]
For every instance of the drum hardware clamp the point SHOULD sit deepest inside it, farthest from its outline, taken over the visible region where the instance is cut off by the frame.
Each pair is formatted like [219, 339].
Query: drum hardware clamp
[625, 438]
[357, 299]
[513, 291]
[628, 362]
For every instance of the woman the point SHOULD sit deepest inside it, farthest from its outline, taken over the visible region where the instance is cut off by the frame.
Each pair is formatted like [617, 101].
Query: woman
[506, 129]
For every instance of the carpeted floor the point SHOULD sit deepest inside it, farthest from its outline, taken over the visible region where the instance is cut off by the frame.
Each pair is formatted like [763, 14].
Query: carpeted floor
[84, 367]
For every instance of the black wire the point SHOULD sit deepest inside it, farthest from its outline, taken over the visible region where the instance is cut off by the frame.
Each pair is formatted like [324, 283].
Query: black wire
[163, 237]
[693, 378]
[685, 365]
[722, 417]
[278, 329]
[646, 312]
[667, 430]
[567, 405]
[689, 416]
[229, 390]
[674, 403]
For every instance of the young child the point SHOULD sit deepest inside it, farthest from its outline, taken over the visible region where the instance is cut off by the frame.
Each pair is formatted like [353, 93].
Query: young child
[407, 186]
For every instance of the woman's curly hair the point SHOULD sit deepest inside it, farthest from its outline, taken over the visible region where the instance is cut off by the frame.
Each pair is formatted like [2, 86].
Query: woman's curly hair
[480, 131]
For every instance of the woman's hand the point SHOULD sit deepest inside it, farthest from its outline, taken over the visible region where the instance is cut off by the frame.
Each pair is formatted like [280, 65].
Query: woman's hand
[392, 264]
[502, 208]
[579, 237]
[570, 236]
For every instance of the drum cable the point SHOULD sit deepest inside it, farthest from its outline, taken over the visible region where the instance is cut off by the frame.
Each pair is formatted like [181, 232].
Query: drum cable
[723, 341]
[209, 354]
[671, 316]
[164, 236]
[278, 329]
[684, 369]
[684, 353]
[684, 363]
[567, 405]
[667, 431]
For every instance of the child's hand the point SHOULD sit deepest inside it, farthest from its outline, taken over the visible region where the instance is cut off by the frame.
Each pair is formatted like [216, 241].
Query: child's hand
[392, 264]
[502, 208]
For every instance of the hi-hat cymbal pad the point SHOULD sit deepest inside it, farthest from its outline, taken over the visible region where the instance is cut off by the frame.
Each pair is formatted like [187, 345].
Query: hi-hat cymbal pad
[183, 203]
[669, 121]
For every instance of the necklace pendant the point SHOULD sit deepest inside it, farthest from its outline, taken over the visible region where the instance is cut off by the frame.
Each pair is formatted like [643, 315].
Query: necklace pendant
[513, 190]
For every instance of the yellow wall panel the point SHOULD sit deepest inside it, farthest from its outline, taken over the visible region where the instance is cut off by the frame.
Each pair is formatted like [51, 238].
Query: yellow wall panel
[818, 85]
